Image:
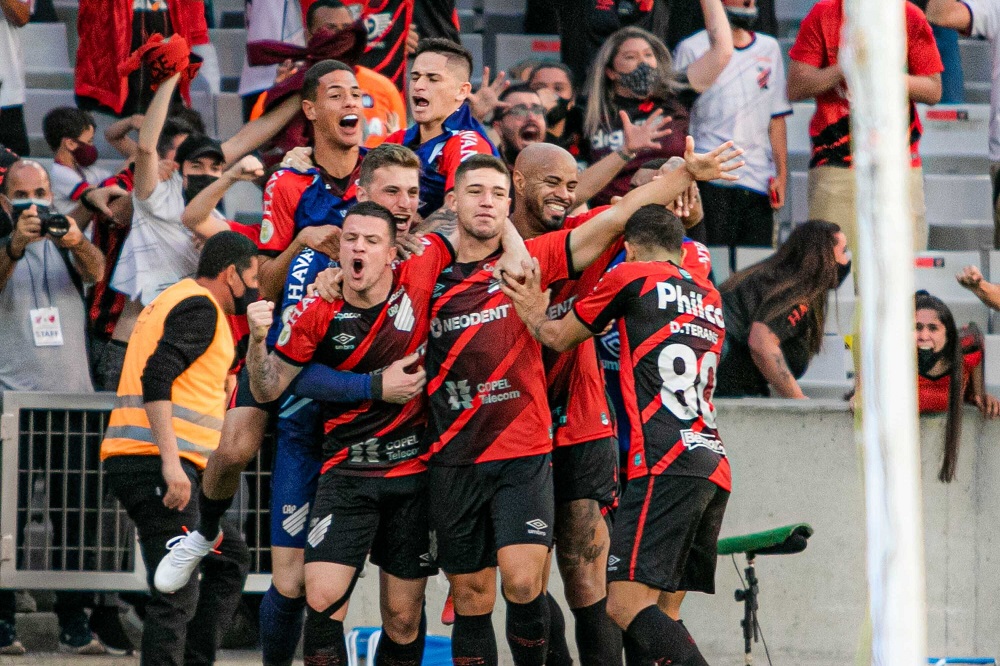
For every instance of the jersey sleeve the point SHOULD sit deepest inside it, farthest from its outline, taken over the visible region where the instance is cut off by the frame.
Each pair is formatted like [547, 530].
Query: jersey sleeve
[685, 54]
[606, 302]
[281, 198]
[553, 254]
[922, 55]
[304, 330]
[809, 47]
[985, 18]
[459, 148]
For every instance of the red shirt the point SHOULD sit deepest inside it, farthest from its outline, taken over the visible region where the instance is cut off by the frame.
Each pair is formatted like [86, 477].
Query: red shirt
[485, 378]
[577, 398]
[932, 394]
[818, 45]
[371, 438]
[671, 332]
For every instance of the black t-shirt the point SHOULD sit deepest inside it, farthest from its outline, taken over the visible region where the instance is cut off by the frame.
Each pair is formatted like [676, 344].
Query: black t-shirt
[743, 306]
[436, 18]
[585, 24]
[572, 136]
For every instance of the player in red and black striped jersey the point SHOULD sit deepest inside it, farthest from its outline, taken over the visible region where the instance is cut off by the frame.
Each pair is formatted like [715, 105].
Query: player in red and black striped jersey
[490, 470]
[371, 495]
[671, 329]
[585, 458]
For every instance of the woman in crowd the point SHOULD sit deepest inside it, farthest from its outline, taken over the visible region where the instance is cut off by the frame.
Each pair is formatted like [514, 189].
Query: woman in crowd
[633, 74]
[949, 369]
[775, 313]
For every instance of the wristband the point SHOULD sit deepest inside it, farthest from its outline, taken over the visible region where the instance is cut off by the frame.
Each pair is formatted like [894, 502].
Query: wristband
[9, 249]
[377, 387]
[625, 155]
[86, 204]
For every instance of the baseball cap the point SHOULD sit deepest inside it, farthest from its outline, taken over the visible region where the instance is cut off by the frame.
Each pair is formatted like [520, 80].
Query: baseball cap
[199, 145]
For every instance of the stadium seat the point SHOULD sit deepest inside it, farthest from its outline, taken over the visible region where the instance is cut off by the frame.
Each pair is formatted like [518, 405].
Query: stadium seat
[991, 364]
[504, 7]
[229, 114]
[720, 263]
[798, 135]
[46, 56]
[231, 47]
[955, 138]
[831, 371]
[958, 199]
[512, 49]
[793, 10]
[796, 196]
[935, 271]
[474, 43]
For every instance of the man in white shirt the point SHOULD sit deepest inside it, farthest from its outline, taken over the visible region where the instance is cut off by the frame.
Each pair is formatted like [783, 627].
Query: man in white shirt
[746, 104]
[70, 134]
[13, 132]
[979, 18]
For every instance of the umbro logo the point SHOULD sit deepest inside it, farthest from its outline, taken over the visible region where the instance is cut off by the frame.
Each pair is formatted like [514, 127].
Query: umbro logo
[342, 339]
[538, 526]
[613, 563]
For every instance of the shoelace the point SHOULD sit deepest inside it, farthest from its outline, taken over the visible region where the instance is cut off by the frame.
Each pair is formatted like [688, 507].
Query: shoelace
[176, 541]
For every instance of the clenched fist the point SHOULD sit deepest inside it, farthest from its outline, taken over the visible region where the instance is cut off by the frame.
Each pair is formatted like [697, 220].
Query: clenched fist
[260, 314]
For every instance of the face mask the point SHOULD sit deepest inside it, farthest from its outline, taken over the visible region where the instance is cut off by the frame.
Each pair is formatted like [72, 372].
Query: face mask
[927, 359]
[843, 270]
[558, 112]
[195, 184]
[84, 154]
[21, 205]
[639, 80]
[742, 18]
[249, 296]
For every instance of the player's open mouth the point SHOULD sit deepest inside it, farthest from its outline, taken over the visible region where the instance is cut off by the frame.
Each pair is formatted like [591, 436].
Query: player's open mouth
[420, 102]
[402, 222]
[357, 266]
[350, 121]
[555, 207]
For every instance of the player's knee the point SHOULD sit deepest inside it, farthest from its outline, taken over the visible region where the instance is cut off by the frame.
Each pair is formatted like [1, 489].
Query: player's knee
[584, 585]
[326, 597]
[620, 608]
[289, 582]
[522, 586]
[401, 619]
[473, 596]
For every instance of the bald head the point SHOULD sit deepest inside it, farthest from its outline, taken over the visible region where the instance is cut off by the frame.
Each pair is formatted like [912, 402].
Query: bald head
[27, 179]
[545, 179]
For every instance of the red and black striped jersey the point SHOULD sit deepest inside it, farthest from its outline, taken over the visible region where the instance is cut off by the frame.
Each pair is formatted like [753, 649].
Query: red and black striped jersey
[671, 331]
[486, 381]
[388, 23]
[104, 304]
[576, 393]
[371, 437]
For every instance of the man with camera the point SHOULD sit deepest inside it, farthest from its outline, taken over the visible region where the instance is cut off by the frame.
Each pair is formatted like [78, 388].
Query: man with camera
[44, 261]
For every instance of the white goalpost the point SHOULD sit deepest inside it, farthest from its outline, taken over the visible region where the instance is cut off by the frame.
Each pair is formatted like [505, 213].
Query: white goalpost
[874, 65]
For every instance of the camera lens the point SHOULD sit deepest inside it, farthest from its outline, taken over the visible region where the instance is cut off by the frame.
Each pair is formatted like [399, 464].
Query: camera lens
[55, 225]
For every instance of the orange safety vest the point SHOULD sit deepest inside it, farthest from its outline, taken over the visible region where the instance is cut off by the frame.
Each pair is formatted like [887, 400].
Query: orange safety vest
[198, 394]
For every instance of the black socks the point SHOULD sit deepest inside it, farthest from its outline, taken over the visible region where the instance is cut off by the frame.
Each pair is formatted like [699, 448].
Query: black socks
[662, 638]
[473, 642]
[558, 649]
[597, 637]
[324, 640]
[391, 653]
[528, 631]
[280, 627]
[211, 511]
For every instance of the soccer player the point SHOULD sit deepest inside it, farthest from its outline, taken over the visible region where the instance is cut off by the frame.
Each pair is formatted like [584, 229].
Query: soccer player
[585, 457]
[445, 133]
[371, 496]
[490, 473]
[671, 329]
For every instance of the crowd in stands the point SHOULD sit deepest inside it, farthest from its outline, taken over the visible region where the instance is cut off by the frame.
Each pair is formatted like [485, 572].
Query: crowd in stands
[374, 152]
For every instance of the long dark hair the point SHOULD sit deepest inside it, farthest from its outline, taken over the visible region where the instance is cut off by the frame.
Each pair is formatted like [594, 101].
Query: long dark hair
[952, 352]
[802, 270]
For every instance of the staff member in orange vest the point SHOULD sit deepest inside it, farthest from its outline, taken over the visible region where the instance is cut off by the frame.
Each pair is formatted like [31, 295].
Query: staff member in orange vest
[166, 422]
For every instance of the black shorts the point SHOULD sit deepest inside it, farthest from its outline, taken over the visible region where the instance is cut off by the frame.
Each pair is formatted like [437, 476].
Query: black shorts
[588, 470]
[353, 516]
[666, 533]
[478, 509]
[243, 397]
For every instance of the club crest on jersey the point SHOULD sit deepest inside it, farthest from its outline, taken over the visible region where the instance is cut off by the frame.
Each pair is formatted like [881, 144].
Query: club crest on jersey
[612, 342]
[402, 314]
[693, 440]
[318, 530]
[377, 25]
[285, 335]
[266, 230]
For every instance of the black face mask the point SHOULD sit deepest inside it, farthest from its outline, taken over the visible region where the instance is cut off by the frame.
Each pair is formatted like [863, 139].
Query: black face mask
[195, 185]
[843, 270]
[640, 80]
[240, 303]
[927, 359]
[742, 18]
[558, 112]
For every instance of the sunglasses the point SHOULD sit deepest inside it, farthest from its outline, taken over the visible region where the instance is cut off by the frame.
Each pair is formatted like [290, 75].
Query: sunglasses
[525, 110]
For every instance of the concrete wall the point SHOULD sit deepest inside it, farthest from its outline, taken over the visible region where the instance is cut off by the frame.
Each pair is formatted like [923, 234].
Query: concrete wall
[797, 462]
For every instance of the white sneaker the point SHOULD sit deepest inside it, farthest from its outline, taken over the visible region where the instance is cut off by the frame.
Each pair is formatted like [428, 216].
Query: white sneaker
[184, 554]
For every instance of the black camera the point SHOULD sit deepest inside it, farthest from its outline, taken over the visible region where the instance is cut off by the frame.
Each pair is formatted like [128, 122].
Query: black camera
[53, 224]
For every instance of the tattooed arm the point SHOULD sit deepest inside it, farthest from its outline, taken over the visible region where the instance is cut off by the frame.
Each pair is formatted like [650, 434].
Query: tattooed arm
[269, 375]
[765, 348]
[443, 221]
[703, 72]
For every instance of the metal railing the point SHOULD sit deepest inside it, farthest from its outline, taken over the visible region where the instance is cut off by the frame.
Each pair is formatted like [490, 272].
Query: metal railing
[59, 527]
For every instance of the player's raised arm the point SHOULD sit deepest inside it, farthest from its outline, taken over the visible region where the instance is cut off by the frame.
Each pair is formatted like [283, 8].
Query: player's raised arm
[532, 304]
[590, 240]
[269, 375]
